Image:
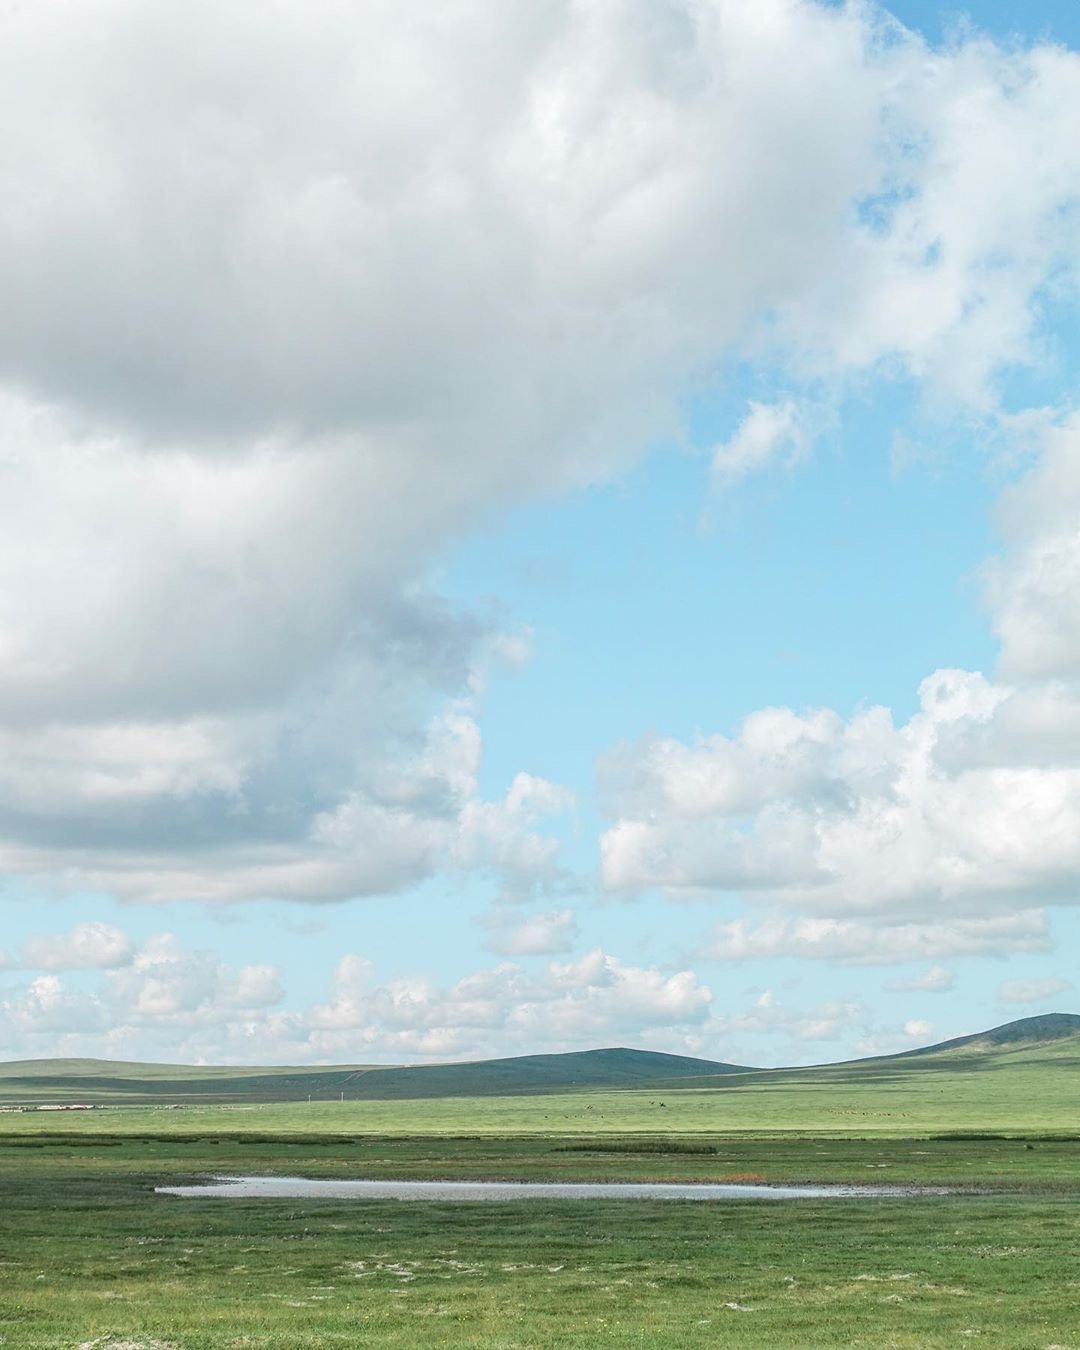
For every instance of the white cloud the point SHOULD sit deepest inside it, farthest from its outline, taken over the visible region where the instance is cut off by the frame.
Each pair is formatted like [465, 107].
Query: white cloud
[182, 1004]
[150, 1001]
[913, 1035]
[1031, 991]
[769, 1017]
[515, 649]
[168, 981]
[569, 1004]
[255, 987]
[869, 943]
[974, 804]
[432, 261]
[47, 1010]
[179, 1004]
[936, 980]
[767, 433]
[548, 934]
[933, 838]
[87, 946]
[399, 822]
[773, 1032]
[501, 835]
[917, 1029]
[948, 274]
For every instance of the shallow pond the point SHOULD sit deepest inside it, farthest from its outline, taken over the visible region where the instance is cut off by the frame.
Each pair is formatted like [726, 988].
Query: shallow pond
[280, 1188]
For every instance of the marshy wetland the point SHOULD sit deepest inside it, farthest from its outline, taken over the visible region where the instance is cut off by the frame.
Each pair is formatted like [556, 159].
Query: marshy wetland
[94, 1256]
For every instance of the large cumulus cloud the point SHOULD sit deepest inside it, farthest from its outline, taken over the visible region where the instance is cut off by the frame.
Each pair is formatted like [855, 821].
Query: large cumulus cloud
[291, 299]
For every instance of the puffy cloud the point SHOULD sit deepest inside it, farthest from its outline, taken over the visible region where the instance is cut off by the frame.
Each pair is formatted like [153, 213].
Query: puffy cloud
[863, 943]
[568, 1005]
[270, 340]
[545, 934]
[1031, 991]
[46, 1010]
[599, 993]
[773, 1032]
[153, 999]
[767, 433]
[936, 980]
[87, 946]
[168, 981]
[189, 1004]
[929, 839]
[948, 271]
[974, 803]
[399, 821]
[501, 835]
[585, 195]
[914, 1034]
[770, 1018]
[572, 172]
[917, 1029]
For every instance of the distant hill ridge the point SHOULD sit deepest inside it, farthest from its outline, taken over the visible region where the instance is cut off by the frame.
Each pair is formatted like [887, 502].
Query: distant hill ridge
[1024, 1031]
[615, 1067]
[618, 1067]
[101, 1080]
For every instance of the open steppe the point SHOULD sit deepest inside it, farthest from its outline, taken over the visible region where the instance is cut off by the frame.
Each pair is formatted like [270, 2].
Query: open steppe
[93, 1257]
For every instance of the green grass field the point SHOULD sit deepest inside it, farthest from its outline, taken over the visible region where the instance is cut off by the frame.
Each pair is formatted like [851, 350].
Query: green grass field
[1025, 1089]
[1031, 1040]
[90, 1256]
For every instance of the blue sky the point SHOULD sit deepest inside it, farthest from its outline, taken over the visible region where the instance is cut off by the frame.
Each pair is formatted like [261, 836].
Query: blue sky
[550, 570]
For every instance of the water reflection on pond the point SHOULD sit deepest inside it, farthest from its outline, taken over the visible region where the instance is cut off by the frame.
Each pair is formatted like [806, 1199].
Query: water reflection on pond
[280, 1188]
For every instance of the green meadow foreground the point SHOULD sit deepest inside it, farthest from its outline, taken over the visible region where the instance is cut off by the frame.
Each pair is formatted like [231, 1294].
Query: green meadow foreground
[91, 1256]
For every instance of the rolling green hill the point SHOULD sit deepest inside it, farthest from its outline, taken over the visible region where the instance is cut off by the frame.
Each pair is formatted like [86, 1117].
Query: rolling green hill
[1047, 1027]
[109, 1082]
[615, 1068]
[1053, 1038]
[1050, 1042]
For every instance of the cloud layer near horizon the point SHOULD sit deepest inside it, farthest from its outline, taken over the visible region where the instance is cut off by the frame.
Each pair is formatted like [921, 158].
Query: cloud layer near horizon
[161, 999]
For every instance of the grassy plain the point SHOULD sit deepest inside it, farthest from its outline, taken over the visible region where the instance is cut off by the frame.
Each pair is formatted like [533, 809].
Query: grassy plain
[91, 1257]
[1025, 1089]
